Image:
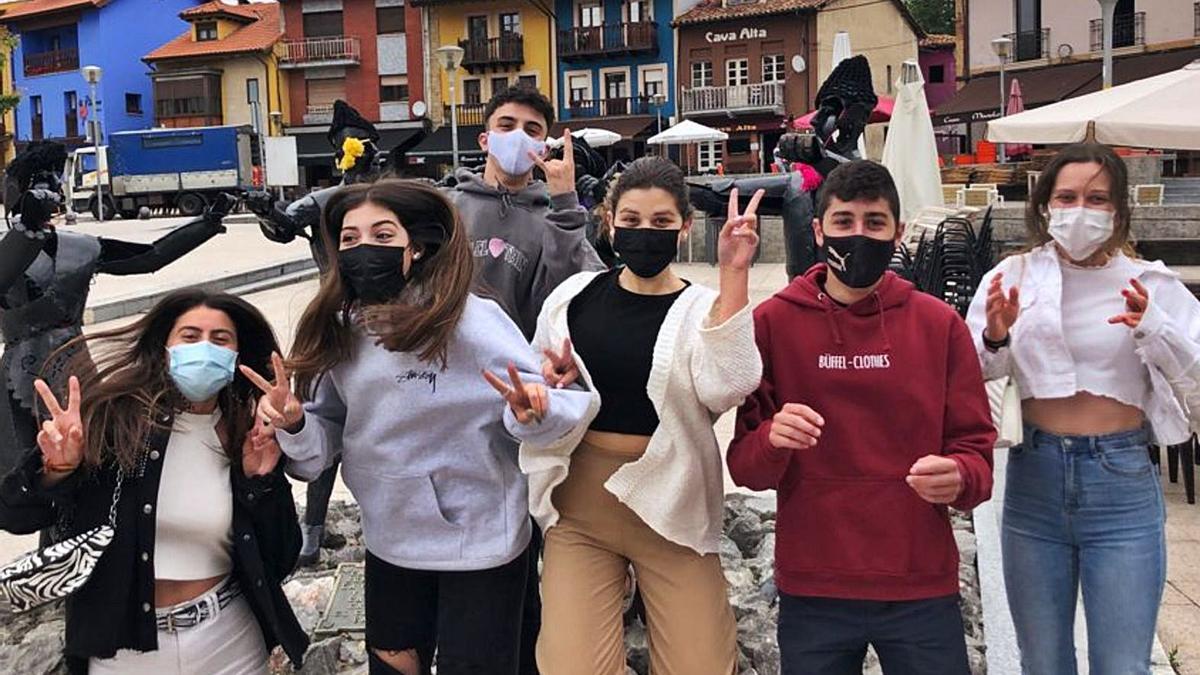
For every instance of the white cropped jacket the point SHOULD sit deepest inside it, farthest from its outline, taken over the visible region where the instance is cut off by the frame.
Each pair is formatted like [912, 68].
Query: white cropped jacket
[1167, 340]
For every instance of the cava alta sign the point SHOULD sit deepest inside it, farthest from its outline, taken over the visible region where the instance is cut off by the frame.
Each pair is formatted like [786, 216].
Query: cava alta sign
[736, 35]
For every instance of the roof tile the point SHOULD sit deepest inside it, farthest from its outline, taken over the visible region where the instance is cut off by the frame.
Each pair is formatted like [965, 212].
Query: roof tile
[265, 30]
[714, 10]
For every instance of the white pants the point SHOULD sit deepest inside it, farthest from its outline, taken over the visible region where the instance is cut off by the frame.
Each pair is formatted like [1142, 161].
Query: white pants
[231, 643]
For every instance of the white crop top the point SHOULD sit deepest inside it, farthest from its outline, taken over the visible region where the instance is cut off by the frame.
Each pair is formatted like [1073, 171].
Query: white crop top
[1105, 361]
[193, 535]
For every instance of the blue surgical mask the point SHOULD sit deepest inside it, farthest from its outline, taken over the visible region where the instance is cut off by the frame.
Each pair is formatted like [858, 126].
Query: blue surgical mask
[511, 150]
[201, 369]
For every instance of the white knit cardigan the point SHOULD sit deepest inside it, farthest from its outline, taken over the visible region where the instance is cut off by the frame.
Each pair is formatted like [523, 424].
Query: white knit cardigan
[698, 373]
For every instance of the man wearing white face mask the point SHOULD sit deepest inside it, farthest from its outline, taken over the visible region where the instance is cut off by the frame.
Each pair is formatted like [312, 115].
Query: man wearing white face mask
[527, 236]
[1104, 349]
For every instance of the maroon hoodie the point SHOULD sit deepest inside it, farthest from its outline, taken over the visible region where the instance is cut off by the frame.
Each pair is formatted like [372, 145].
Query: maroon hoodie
[896, 377]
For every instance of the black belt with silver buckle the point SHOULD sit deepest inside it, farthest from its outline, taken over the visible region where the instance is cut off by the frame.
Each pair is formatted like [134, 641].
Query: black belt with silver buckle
[203, 609]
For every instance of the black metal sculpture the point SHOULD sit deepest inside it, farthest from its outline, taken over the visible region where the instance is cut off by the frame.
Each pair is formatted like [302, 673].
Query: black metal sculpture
[46, 274]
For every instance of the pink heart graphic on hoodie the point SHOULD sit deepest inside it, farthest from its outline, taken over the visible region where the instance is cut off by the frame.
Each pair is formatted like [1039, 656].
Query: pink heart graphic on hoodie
[496, 247]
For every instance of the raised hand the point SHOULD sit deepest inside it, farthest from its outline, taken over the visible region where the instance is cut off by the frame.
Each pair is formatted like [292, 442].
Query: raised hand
[739, 236]
[559, 369]
[560, 173]
[278, 406]
[796, 427]
[1137, 301]
[61, 438]
[260, 451]
[1002, 310]
[529, 402]
[936, 479]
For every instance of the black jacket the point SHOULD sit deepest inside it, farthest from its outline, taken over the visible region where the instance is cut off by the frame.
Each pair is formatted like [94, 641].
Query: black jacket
[115, 609]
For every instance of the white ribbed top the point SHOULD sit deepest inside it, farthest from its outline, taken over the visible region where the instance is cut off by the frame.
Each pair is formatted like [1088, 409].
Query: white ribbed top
[194, 527]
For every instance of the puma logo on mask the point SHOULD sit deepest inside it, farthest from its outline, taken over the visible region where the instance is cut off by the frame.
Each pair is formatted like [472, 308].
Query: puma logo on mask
[837, 260]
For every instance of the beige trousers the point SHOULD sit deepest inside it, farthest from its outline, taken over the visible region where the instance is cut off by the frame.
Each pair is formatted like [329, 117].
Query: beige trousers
[691, 625]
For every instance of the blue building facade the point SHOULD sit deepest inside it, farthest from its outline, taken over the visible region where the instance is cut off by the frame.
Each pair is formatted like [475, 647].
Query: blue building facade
[53, 46]
[616, 68]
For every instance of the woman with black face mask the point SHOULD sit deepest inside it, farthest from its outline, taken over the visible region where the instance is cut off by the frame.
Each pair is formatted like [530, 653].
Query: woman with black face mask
[388, 358]
[639, 481]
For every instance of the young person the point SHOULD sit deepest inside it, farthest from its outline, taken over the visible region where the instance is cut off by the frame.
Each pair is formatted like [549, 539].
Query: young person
[639, 480]
[389, 356]
[871, 419]
[1096, 340]
[205, 523]
[526, 236]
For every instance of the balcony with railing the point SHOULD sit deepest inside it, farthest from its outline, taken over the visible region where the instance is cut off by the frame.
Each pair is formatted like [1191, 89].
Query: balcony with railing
[338, 50]
[1030, 45]
[469, 114]
[55, 61]
[610, 107]
[605, 41]
[1128, 31]
[318, 113]
[767, 96]
[499, 52]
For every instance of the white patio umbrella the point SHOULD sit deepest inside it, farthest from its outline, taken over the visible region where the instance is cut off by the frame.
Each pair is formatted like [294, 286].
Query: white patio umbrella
[1155, 112]
[910, 152]
[841, 52]
[688, 131]
[597, 138]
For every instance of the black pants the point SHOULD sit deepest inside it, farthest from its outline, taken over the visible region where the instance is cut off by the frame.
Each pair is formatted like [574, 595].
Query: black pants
[828, 636]
[531, 619]
[317, 494]
[471, 620]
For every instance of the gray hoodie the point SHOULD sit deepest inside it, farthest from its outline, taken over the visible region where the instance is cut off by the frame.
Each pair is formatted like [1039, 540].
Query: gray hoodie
[525, 243]
[430, 454]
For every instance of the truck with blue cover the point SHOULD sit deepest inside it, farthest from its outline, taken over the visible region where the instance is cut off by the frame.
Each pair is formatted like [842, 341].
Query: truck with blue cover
[163, 169]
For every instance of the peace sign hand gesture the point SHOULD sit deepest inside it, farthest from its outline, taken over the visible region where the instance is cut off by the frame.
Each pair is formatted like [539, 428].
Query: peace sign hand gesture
[560, 173]
[559, 369]
[61, 438]
[278, 406]
[260, 451]
[739, 236]
[529, 402]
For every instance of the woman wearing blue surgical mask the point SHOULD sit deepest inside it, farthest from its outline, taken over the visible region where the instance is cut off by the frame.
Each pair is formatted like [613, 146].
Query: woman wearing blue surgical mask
[158, 426]
[638, 483]
[1104, 348]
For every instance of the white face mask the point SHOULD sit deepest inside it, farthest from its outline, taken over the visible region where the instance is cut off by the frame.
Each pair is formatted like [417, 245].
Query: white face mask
[1080, 231]
[511, 150]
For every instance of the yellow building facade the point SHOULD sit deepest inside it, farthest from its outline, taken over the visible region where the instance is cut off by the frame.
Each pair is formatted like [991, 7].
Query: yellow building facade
[505, 42]
[8, 97]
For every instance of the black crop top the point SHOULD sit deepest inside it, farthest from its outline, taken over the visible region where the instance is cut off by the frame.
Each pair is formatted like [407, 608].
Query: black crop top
[614, 331]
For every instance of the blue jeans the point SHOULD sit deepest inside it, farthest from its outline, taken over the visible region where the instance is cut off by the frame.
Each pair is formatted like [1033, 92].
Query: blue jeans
[1084, 511]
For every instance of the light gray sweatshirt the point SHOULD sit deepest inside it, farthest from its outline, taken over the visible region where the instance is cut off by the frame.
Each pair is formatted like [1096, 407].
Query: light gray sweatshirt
[429, 454]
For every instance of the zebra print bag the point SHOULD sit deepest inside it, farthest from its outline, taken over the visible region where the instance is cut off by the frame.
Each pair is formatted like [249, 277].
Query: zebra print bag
[54, 572]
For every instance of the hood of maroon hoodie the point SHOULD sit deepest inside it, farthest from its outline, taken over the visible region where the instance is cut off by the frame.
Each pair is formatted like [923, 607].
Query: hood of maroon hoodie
[849, 525]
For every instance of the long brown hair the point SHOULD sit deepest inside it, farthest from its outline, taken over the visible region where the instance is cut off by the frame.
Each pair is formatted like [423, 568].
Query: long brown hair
[1037, 210]
[125, 382]
[423, 318]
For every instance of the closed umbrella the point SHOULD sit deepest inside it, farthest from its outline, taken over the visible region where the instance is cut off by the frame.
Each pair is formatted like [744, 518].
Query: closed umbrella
[1155, 112]
[910, 152]
[1016, 104]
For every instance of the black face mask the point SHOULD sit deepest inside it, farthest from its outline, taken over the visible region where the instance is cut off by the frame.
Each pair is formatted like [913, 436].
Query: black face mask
[375, 273]
[646, 251]
[858, 260]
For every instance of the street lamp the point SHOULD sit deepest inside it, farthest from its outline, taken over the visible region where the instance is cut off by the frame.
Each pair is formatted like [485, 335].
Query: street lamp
[450, 57]
[92, 75]
[1108, 9]
[1003, 48]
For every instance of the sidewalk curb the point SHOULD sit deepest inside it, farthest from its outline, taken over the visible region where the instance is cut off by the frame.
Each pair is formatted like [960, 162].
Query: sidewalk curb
[239, 283]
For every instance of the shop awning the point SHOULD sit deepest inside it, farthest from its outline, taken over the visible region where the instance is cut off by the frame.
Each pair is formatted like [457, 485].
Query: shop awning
[315, 146]
[629, 127]
[979, 99]
[438, 144]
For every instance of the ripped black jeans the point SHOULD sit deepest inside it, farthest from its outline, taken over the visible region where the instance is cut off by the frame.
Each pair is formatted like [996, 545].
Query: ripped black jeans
[471, 620]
